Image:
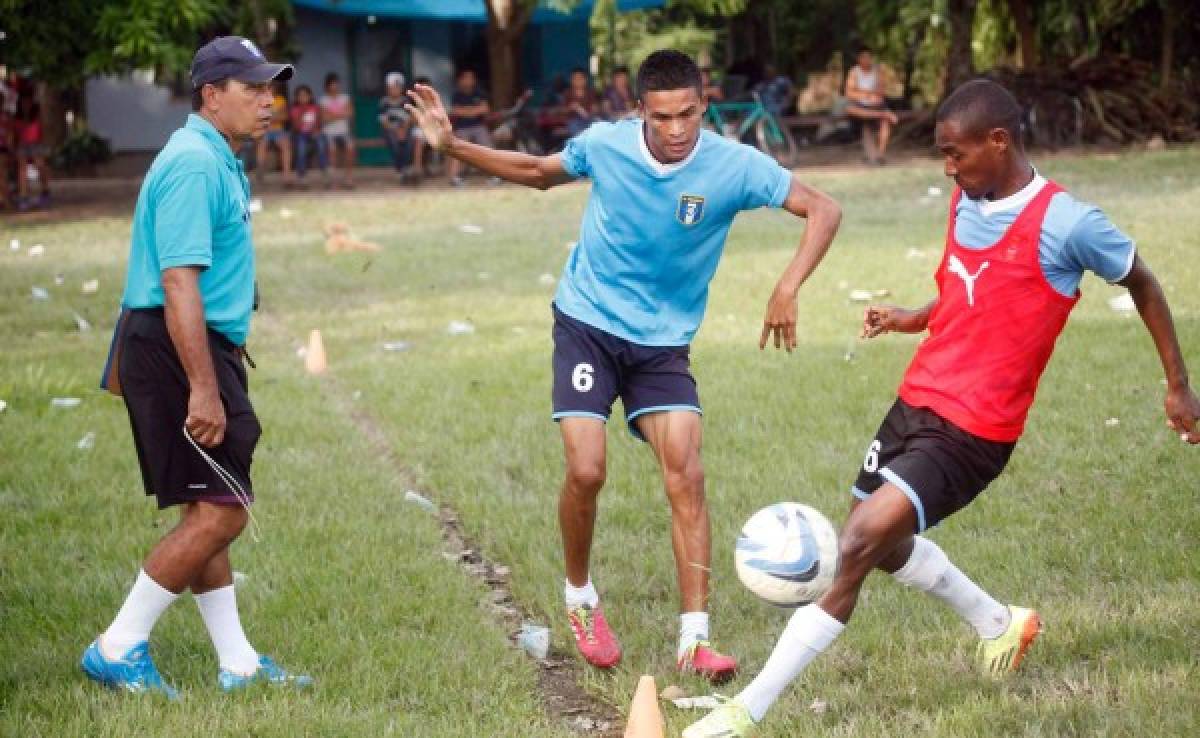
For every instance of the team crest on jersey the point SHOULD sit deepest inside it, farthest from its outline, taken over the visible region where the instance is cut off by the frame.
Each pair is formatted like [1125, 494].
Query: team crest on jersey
[690, 210]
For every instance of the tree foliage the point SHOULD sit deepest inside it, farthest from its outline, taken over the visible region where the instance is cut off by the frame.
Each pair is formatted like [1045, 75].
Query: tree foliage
[64, 42]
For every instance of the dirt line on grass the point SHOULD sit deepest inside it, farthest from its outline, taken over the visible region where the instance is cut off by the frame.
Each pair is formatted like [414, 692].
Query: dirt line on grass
[559, 678]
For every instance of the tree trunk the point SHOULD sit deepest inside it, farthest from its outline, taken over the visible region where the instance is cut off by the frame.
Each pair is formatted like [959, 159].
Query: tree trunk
[1167, 59]
[507, 20]
[1027, 40]
[960, 67]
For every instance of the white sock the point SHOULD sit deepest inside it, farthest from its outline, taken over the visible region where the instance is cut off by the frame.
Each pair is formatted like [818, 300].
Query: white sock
[581, 596]
[693, 626]
[218, 607]
[808, 633]
[930, 571]
[136, 618]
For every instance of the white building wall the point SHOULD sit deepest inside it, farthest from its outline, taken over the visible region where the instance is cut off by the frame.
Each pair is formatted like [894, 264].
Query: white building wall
[132, 112]
[322, 39]
[431, 54]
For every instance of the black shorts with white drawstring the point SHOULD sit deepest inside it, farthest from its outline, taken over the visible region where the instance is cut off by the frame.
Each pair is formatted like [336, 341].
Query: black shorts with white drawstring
[155, 388]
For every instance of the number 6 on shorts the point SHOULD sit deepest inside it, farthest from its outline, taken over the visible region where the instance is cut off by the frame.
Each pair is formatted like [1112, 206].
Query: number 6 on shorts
[871, 463]
[581, 377]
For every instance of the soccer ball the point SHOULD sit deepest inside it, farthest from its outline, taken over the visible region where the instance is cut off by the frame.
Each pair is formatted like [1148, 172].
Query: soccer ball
[787, 554]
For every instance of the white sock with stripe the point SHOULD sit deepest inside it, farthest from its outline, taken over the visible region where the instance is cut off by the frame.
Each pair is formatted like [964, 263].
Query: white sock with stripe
[809, 632]
[143, 607]
[929, 570]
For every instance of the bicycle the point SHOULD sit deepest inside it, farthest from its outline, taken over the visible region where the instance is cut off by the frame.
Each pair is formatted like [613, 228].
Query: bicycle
[739, 120]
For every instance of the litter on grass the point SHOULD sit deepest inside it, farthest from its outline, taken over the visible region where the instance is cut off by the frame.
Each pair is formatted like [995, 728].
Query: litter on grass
[65, 402]
[15, 244]
[59, 279]
[37, 250]
[460, 328]
[1122, 303]
[87, 442]
[3, 406]
[1112, 423]
[546, 279]
[89, 287]
[471, 228]
[534, 639]
[81, 322]
[395, 346]
[39, 293]
[419, 500]
[255, 205]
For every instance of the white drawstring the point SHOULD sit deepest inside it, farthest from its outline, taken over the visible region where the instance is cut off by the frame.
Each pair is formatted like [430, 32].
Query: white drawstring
[230, 481]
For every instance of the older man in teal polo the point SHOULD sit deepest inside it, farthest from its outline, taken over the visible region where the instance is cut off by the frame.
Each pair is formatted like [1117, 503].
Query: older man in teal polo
[177, 360]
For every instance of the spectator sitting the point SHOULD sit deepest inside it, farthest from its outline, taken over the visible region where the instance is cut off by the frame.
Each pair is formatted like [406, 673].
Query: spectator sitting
[337, 120]
[865, 101]
[469, 109]
[306, 132]
[27, 129]
[276, 136]
[618, 98]
[712, 91]
[396, 122]
[775, 90]
[579, 100]
[6, 138]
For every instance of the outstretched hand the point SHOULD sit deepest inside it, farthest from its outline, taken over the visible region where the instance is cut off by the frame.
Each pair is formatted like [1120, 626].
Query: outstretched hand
[427, 108]
[1183, 413]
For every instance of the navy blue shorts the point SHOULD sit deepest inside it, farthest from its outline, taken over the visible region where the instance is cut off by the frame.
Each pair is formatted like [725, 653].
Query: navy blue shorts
[940, 467]
[593, 368]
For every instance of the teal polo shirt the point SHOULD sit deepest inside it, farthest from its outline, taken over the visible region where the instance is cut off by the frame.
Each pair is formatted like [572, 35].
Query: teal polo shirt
[193, 211]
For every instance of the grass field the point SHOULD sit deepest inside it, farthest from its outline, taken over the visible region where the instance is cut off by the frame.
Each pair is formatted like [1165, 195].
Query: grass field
[1094, 524]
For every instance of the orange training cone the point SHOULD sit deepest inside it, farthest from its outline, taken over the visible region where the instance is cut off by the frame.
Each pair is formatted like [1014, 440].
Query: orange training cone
[645, 719]
[314, 359]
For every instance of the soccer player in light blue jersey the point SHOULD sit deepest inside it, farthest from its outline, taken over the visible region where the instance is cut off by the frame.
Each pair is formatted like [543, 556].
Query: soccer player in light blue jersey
[631, 297]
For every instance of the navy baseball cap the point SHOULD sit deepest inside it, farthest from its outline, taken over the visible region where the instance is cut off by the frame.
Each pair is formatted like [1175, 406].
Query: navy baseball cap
[234, 57]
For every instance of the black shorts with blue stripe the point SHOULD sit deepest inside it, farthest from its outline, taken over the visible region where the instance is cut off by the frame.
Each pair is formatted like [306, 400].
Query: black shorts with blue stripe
[940, 467]
[592, 368]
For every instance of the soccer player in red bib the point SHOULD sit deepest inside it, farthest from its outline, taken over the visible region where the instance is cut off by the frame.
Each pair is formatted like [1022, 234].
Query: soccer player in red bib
[1017, 246]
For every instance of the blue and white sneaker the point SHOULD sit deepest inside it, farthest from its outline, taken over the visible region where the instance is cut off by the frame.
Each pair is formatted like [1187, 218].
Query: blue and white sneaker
[134, 672]
[268, 671]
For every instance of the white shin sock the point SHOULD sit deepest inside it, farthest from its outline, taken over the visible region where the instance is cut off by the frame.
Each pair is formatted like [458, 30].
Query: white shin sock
[929, 570]
[693, 627]
[218, 608]
[808, 633]
[143, 607]
[580, 596]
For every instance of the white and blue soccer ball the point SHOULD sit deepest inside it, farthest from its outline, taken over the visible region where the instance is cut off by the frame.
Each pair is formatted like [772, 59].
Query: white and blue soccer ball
[787, 554]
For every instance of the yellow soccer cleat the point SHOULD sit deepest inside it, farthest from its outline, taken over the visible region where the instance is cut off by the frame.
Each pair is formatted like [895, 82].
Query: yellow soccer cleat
[1003, 654]
[730, 719]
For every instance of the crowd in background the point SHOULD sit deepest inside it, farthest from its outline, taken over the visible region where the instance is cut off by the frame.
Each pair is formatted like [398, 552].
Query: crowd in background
[24, 176]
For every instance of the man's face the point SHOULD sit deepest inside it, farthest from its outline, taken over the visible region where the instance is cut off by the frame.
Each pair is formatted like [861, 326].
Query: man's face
[394, 89]
[673, 120]
[241, 110]
[466, 82]
[974, 160]
[621, 80]
[864, 60]
[578, 81]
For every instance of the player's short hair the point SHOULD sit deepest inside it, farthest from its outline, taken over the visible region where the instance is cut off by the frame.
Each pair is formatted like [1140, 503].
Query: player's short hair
[981, 105]
[620, 69]
[198, 96]
[667, 69]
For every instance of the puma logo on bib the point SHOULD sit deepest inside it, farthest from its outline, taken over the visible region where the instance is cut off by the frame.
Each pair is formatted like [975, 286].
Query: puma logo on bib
[956, 267]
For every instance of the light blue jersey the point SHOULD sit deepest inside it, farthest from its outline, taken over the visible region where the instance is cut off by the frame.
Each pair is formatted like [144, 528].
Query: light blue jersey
[193, 211]
[652, 234]
[1076, 237]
